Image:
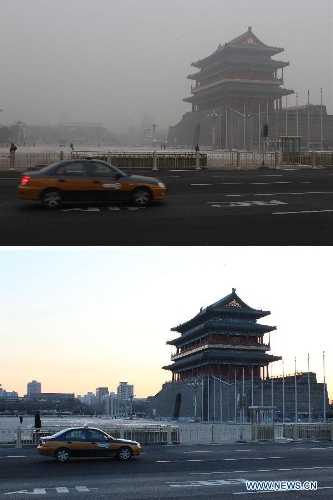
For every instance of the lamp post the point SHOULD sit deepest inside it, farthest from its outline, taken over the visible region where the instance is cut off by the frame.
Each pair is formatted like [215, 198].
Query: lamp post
[213, 115]
[131, 396]
[195, 386]
[321, 118]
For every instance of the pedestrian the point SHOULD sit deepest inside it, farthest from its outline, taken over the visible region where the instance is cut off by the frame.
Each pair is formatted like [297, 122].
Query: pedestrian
[21, 419]
[38, 422]
[197, 148]
[12, 148]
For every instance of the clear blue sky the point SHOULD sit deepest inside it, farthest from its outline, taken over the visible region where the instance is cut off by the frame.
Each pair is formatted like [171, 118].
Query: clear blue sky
[77, 319]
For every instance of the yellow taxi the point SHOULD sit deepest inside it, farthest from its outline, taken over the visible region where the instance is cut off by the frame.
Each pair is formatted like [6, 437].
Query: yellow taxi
[88, 180]
[86, 442]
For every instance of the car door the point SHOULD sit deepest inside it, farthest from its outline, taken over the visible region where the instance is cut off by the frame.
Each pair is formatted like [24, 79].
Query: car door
[98, 443]
[71, 178]
[76, 442]
[106, 182]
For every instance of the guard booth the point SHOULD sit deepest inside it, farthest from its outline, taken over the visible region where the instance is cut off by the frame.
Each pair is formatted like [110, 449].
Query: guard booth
[291, 149]
[262, 420]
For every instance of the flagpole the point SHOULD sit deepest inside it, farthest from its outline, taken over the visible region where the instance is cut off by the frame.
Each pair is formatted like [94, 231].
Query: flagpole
[282, 391]
[324, 406]
[296, 410]
[309, 391]
[251, 385]
[297, 113]
[321, 118]
[308, 120]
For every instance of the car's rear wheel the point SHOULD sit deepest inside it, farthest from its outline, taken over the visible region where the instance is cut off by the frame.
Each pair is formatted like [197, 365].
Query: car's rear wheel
[124, 453]
[62, 455]
[141, 197]
[51, 198]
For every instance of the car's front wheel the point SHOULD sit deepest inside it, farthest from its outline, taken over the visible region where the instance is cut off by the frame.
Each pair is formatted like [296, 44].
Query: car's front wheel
[124, 453]
[141, 197]
[62, 455]
[51, 198]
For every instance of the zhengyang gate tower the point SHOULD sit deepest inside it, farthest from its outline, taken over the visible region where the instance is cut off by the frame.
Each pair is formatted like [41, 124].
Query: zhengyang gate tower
[220, 366]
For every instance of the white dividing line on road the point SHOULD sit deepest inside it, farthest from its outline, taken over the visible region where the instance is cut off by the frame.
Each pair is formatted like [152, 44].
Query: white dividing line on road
[302, 212]
[268, 183]
[278, 194]
[222, 459]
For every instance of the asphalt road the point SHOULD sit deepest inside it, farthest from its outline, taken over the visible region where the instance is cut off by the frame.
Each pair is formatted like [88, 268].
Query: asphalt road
[172, 472]
[261, 207]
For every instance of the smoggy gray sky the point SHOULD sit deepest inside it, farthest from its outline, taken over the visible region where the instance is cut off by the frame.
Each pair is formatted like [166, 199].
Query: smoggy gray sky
[111, 61]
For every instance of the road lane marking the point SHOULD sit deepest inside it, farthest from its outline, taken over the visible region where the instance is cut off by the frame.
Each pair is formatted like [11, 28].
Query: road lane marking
[229, 204]
[302, 212]
[281, 194]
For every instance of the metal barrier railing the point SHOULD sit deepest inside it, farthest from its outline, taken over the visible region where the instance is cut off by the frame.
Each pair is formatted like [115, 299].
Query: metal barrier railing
[185, 434]
[132, 161]
[152, 160]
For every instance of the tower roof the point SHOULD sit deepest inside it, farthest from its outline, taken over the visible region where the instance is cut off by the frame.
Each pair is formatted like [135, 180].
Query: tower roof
[227, 304]
[247, 41]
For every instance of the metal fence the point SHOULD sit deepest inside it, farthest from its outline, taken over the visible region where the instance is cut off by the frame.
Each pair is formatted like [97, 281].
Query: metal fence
[185, 434]
[169, 161]
[131, 161]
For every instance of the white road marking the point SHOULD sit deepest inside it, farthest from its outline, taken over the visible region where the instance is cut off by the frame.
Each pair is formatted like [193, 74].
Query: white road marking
[302, 212]
[228, 204]
[59, 489]
[97, 209]
[210, 482]
[281, 194]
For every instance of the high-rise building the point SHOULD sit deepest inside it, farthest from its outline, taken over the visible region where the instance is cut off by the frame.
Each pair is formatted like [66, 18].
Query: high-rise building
[100, 392]
[125, 390]
[34, 387]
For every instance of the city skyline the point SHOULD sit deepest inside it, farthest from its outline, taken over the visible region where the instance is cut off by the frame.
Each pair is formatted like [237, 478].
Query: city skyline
[78, 319]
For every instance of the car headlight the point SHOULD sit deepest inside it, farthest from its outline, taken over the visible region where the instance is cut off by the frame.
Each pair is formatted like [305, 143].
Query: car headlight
[161, 185]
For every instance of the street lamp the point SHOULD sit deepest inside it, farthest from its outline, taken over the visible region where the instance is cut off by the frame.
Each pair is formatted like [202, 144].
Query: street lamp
[131, 396]
[195, 386]
[214, 115]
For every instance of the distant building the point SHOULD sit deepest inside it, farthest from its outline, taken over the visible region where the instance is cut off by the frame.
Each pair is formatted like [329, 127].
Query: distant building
[111, 404]
[34, 387]
[100, 392]
[8, 396]
[88, 399]
[125, 390]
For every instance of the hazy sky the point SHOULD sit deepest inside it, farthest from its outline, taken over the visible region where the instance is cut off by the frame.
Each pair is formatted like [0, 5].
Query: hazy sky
[78, 319]
[110, 61]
